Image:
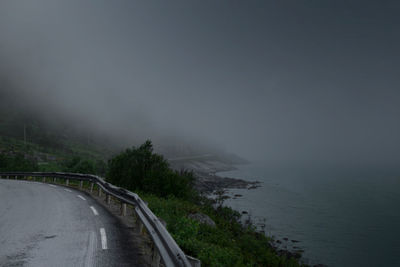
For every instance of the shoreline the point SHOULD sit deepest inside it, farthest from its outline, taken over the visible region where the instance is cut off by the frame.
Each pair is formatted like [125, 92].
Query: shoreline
[209, 183]
[205, 171]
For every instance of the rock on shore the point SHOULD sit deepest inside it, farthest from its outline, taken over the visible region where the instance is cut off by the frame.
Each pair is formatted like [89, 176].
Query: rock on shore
[208, 183]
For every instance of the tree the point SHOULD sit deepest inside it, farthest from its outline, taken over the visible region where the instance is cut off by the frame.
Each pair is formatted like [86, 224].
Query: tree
[79, 165]
[141, 169]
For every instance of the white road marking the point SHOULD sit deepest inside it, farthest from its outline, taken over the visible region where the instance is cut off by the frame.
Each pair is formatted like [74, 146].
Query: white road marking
[52, 185]
[103, 238]
[94, 210]
[68, 190]
[81, 197]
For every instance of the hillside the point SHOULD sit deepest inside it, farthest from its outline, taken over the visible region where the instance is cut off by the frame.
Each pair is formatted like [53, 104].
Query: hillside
[54, 141]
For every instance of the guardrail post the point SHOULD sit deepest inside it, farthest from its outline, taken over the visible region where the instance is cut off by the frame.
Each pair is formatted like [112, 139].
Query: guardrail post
[54, 180]
[81, 185]
[123, 209]
[15, 177]
[135, 216]
[44, 179]
[140, 224]
[67, 182]
[7, 177]
[91, 187]
[193, 261]
[108, 199]
[99, 191]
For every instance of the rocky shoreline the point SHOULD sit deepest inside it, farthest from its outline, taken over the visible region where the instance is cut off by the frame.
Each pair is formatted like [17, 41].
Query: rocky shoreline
[206, 179]
[210, 182]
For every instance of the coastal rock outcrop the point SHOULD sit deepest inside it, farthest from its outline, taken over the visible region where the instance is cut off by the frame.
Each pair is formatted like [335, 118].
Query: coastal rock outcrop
[202, 218]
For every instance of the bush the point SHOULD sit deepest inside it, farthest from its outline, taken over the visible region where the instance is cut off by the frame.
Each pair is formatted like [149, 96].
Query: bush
[79, 165]
[18, 162]
[141, 169]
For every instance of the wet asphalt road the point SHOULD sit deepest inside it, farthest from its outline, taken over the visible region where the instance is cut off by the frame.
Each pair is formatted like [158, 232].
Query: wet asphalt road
[44, 225]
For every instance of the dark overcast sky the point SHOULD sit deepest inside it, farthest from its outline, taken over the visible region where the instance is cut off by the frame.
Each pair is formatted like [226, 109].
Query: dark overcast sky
[281, 80]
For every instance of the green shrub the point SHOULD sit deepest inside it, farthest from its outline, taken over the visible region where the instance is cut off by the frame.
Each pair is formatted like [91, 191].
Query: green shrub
[80, 165]
[141, 169]
[18, 163]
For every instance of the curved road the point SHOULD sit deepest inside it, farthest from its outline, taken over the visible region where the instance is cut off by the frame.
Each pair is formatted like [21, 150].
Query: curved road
[47, 225]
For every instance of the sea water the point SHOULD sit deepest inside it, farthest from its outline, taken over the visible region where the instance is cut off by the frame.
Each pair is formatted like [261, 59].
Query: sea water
[341, 216]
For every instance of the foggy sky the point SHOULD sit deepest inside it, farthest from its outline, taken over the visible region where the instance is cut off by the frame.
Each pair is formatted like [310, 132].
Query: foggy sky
[280, 80]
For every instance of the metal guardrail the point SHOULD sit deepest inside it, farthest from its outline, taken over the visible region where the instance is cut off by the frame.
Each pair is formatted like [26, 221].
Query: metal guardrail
[166, 250]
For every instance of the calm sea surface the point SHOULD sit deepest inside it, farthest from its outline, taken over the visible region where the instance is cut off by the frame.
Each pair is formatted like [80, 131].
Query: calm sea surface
[341, 216]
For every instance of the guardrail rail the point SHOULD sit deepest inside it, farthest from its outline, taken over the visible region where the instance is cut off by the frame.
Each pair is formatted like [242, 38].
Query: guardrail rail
[166, 250]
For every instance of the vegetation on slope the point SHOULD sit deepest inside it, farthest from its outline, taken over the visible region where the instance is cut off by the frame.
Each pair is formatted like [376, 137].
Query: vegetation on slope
[17, 162]
[16, 155]
[56, 146]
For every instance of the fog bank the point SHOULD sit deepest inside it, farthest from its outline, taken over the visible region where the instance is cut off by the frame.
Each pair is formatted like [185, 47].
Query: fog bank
[300, 81]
